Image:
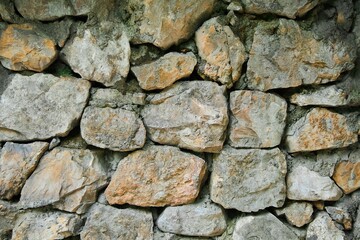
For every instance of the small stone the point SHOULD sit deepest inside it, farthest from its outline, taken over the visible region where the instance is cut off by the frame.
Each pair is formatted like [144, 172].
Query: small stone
[54, 143]
[340, 216]
[17, 162]
[74, 140]
[106, 97]
[153, 176]
[323, 228]
[347, 176]
[320, 205]
[297, 213]
[165, 71]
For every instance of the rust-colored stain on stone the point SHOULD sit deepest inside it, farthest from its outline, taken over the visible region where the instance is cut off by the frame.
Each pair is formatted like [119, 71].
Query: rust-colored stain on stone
[347, 176]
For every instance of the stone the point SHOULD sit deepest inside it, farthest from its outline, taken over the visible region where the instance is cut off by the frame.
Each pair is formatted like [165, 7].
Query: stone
[24, 48]
[106, 222]
[340, 216]
[106, 97]
[222, 53]
[356, 227]
[283, 55]
[303, 184]
[7, 12]
[8, 214]
[67, 179]
[297, 213]
[164, 71]
[323, 228]
[115, 129]
[347, 176]
[158, 235]
[193, 116]
[154, 175]
[165, 24]
[257, 119]
[50, 225]
[54, 143]
[319, 129]
[17, 162]
[262, 226]
[41, 106]
[248, 179]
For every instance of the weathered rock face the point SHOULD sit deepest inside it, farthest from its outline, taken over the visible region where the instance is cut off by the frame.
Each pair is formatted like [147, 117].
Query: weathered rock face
[24, 48]
[157, 176]
[41, 106]
[297, 213]
[68, 179]
[116, 129]
[164, 71]
[248, 179]
[340, 216]
[101, 97]
[323, 228]
[283, 55]
[347, 176]
[17, 162]
[222, 53]
[165, 23]
[8, 213]
[257, 119]
[106, 222]
[319, 129]
[193, 116]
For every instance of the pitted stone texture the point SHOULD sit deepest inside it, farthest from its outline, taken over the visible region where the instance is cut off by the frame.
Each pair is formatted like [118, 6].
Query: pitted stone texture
[116, 129]
[248, 179]
[257, 119]
[106, 97]
[106, 222]
[297, 213]
[193, 116]
[8, 214]
[319, 129]
[222, 53]
[283, 55]
[41, 107]
[347, 176]
[67, 179]
[24, 48]
[165, 23]
[17, 162]
[323, 228]
[341, 216]
[303, 184]
[157, 176]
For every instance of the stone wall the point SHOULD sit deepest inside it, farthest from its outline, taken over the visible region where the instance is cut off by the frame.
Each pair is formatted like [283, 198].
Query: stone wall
[172, 119]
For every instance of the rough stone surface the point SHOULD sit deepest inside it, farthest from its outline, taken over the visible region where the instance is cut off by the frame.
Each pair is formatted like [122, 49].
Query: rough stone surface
[17, 162]
[319, 129]
[347, 176]
[157, 176]
[116, 129]
[323, 228]
[106, 222]
[341, 216]
[257, 119]
[8, 213]
[297, 213]
[41, 106]
[303, 184]
[193, 116]
[67, 179]
[164, 71]
[248, 179]
[23, 48]
[222, 53]
[106, 97]
[159, 235]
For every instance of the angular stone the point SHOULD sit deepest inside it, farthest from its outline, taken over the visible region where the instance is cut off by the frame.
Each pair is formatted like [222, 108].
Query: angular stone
[158, 235]
[303, 184]
[164, 71]
[323, 228]
[248, 179]
[41, 106]
[165, 24]
[193, 116]
[116, 129]
[106, 97]
[223, 53]
[297, 213]
[347, 176]
[17, 162]
[319, 129]
[257, 119]
[24, 48]
[106, 222]
[153, 176]
[340, 216]
[8, 214]
[262, 226]
[283, 55]
[67, 179]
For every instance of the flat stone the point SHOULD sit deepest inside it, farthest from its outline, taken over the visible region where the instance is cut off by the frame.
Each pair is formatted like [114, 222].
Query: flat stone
[107, 97]
[297, 213]
[164, 71]
[153, 176]
[41, 106]
[222, 53]
[341, 216]
[347, 176]
[67, 179]
[193, 116]
[303, 184]
[106, 222]
[115, 129]
[8, 214]
[17, 162]
[323, 228]
[248, 179]
[159, 235]
[24, 48]
[257, 119]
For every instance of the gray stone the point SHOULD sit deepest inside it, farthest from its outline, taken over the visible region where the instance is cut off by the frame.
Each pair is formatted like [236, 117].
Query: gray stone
[7, 12]
[341, 216]
[106, 97]
[297, 213]
[8, 214]
[248, 179]
[356, 227]
[41, 106]
[323, 228]
[159, 235]
[54, 143]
